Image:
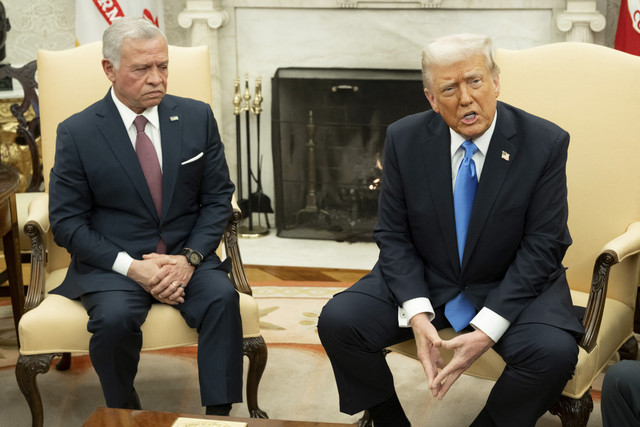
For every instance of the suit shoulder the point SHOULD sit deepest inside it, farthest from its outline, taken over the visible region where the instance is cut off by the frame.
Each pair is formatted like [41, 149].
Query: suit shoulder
[414, 127]
[417, 120]
[187, 102]
[531, 121]
[81, 117]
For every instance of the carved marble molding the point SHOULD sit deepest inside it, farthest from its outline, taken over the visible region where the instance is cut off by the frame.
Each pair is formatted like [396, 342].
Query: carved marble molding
[202, 11]
[203, 19]
[356, 4]
[397, 4]
[580, 21]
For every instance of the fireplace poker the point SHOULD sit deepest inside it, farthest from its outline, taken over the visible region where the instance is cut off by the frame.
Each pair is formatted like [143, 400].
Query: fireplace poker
[262, 200]
[247, 98]
[237, 109]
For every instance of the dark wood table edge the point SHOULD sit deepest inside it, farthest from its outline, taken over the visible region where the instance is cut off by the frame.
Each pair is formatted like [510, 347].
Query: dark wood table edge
[111, 417]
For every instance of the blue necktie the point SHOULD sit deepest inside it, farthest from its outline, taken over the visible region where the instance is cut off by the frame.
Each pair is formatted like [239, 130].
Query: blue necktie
[459, 311]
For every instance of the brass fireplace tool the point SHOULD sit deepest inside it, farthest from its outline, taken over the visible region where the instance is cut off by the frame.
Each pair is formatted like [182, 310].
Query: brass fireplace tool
[256, 201]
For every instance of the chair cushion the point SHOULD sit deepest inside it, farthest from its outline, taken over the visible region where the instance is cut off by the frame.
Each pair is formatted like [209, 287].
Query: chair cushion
[611, 336]
[59, 325]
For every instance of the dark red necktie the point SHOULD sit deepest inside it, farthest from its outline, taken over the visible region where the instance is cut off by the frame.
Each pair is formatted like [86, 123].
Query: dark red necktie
[151, 167]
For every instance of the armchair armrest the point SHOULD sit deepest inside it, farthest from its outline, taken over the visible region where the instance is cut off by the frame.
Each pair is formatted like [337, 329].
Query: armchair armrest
[36, 228]
[38, 212]
[623, 246]
[626, 244]
[238, 276]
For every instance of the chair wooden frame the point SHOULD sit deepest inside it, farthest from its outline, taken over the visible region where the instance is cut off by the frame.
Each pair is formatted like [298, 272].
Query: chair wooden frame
[29, 366]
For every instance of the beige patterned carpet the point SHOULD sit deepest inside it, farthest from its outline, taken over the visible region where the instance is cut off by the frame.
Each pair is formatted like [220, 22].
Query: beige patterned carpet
[297, 384]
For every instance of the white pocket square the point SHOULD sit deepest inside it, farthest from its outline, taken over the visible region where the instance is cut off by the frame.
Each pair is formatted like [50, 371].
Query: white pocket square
[193, 159]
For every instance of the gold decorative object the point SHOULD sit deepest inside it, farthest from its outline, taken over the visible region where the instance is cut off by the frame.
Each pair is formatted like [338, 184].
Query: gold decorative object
[11, 153]
[247, 94]
[257, 201]
[237, 99]
[257, 101]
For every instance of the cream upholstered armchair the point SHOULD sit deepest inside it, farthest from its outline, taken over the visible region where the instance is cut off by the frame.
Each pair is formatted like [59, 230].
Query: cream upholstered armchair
[53, 325]
[594, 93]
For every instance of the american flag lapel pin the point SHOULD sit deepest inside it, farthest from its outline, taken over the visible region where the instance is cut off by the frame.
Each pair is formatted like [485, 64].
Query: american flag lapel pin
[175, 118]
[505, 156]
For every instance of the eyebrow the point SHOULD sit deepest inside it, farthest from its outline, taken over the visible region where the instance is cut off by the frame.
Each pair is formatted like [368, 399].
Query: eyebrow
[146, 64]
[473, 74]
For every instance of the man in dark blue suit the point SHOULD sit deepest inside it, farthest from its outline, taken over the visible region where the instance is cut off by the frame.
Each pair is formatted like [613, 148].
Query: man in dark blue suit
[499, 265]
[144, 231]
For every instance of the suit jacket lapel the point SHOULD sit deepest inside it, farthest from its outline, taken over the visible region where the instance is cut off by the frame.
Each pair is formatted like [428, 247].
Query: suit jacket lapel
[494, 172]
[111, 127]
[171, 131]
[437, 158]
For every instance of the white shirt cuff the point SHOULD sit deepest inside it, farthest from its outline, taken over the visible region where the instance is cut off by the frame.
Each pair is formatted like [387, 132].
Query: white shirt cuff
[491, 323]
[412, 307]
[122, 263]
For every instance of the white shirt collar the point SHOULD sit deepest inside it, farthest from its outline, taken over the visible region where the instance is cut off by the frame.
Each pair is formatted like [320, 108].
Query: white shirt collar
[128, 115]
[482, 142]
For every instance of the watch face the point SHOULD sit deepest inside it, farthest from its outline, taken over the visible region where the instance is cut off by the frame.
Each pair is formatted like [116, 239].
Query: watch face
[194, 258]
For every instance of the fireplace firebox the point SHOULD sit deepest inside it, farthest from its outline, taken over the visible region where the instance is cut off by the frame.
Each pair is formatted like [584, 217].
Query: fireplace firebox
[328, 131]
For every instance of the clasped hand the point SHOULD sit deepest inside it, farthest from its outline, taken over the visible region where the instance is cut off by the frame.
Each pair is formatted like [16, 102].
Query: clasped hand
[466, 349]
[162, 276]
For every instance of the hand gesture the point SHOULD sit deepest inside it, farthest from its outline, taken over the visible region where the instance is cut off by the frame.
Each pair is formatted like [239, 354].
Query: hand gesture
[427, 343]
[164, 276]
[466, 349]
[170, 282]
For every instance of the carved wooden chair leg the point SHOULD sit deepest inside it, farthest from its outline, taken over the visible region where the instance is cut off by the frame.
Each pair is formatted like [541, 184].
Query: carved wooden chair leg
[573, 412]
[256, 350]
[365, 421]
[629, 350]
[64, 363]
[27, 368]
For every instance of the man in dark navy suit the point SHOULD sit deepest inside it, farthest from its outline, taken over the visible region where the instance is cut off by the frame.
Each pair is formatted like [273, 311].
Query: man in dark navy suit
[492, 268]
[140, 195]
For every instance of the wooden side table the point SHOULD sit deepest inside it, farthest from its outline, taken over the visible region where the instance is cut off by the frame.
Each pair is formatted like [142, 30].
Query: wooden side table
[9, 179]
[113, 417]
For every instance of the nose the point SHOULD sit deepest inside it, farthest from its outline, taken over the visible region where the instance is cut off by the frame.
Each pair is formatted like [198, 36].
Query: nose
[465, 95]
[154, 77]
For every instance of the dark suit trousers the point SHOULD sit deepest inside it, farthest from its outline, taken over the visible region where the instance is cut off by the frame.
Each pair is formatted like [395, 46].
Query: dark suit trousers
[621, 395]
[354, 329]
[211, 307]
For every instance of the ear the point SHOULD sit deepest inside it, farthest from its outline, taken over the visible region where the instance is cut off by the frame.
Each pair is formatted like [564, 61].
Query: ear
[432, 100]
[109, 70]
[496, 83]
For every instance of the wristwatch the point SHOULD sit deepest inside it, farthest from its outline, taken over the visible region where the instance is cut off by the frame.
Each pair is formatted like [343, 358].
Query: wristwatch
[194, 258]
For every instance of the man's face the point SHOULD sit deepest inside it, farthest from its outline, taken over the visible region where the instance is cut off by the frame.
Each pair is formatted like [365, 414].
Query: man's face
[141, 80]
[465, 94]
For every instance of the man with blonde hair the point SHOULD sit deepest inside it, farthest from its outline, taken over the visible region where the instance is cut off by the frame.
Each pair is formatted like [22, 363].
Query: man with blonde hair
[472, 229]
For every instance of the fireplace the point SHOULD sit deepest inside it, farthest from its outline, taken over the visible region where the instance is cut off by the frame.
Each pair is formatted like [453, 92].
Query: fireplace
[328, 131]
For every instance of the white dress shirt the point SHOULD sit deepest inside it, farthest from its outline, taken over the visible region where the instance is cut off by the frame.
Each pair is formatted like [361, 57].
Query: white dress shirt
[486, 320]
[152, 129]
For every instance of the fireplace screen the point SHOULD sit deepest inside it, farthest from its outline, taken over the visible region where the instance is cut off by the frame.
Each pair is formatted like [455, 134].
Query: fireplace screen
[328, 146]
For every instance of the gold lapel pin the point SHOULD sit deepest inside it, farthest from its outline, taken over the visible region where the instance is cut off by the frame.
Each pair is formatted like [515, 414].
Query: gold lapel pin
[505, 156]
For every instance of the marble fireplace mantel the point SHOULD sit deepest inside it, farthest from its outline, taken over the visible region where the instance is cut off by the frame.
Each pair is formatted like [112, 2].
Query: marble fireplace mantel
[259, 36]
